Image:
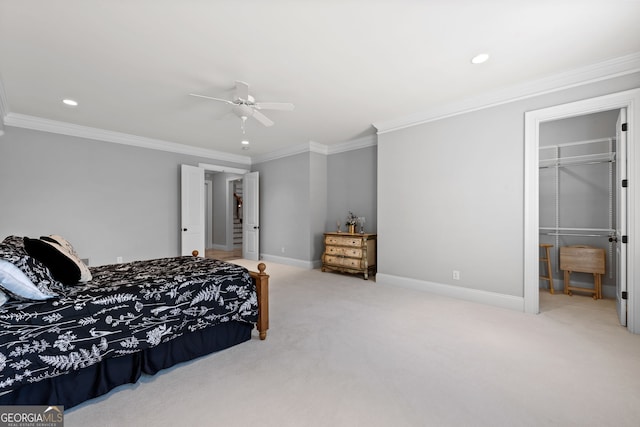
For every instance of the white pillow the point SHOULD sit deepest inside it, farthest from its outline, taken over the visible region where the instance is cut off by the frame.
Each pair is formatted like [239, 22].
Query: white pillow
[3, 298]
[14, 280]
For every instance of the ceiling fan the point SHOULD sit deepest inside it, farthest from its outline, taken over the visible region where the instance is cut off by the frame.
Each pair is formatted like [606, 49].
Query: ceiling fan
[245, 106]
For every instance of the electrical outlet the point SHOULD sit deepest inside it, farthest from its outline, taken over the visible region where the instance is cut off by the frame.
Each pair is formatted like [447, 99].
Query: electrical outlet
[282, 249]
[456, 275]
[119, 260]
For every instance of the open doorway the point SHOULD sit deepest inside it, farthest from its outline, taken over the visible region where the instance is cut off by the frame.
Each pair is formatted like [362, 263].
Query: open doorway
[578, 208]
[236, 215]
[221, 203]
[623, 101]
[223, 214]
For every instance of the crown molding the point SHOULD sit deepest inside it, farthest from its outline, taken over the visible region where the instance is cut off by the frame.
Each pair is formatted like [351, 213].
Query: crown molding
[53, 126]
[307, 147]
[354, 144]
[316, 147]
[590, 74]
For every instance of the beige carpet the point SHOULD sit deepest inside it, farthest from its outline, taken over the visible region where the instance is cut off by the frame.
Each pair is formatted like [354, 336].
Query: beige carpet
[342, 351]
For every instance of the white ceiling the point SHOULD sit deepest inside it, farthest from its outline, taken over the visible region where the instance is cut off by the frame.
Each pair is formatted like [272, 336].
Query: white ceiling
[344, 64]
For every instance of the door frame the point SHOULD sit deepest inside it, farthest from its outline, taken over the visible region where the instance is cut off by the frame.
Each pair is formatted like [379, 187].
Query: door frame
[228, 197]
[631, 101]
[208, 213]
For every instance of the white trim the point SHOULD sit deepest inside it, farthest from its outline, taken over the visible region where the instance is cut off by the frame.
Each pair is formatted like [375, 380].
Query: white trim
[316, 147]
[219, 168]
[309, 265]
[289, 151]
[54, 126]
[595, 72]
[628, 99]
[474, 295]
[354, 144]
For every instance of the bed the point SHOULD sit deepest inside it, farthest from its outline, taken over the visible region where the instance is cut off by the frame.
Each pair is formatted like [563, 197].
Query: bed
[80, 334]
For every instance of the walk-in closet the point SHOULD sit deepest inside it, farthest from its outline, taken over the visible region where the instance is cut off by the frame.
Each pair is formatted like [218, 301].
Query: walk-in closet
[578, 202]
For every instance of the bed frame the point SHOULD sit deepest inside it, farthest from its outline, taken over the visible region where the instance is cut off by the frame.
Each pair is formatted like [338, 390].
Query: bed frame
[261, 280]
[76, 387]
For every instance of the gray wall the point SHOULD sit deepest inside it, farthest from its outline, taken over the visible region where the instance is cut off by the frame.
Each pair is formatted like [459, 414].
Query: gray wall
[302, 196]
[451, 194]
[353, 182]
[285, 206]
[318, 196]
[107, 199]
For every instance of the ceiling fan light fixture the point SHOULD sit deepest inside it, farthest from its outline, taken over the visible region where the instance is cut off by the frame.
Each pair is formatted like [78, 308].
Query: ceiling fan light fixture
[480, 58]
[245, 105]
[244, 122]
[244, 142]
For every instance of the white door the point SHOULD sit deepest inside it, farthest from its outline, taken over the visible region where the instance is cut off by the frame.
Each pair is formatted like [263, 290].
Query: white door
[621, 218]
[192, 212]
[250, 217]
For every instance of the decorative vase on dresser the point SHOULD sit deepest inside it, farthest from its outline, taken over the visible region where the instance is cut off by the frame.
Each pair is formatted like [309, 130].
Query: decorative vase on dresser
[350, 253]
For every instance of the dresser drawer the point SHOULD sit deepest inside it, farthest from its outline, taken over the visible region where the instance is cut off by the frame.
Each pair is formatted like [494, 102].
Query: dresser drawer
[343, 241]
[342, 261]
[344, 251]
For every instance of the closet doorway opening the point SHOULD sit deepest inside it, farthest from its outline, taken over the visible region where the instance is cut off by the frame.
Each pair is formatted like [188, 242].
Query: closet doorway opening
[579, 209]
[621, 101]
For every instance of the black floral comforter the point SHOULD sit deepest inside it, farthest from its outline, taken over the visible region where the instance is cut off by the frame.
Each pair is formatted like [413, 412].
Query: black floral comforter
[125, 308]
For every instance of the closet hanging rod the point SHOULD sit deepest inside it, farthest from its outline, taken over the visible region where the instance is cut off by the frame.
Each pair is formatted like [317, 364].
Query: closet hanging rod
[582, 229]
[576, 234]
[559, 165]
[585, 159]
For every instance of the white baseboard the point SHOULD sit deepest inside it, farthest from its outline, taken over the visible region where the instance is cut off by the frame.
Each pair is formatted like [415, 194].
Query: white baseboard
[474, 295]
[309, 265]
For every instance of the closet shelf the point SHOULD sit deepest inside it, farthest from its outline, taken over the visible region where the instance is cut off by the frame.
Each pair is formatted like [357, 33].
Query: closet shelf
[587, 159]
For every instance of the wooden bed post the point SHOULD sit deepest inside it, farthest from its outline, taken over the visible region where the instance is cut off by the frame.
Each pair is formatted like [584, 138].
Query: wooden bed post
[261, 279]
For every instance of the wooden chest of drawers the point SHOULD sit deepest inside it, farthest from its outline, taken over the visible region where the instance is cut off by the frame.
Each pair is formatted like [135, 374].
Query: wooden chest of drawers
[350, 253]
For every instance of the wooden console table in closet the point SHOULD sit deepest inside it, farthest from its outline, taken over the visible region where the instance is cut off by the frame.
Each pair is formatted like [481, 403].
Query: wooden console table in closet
[350, 253]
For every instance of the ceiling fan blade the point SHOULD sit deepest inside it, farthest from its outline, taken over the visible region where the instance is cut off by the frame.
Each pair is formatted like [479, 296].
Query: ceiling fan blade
[211, 97]
[262, 118]
[242, 90]
[284, 106]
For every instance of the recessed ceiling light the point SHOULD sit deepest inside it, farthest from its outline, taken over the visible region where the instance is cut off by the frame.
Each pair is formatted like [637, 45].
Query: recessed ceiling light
[479, 59]
[245, 142]
[70, 102]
